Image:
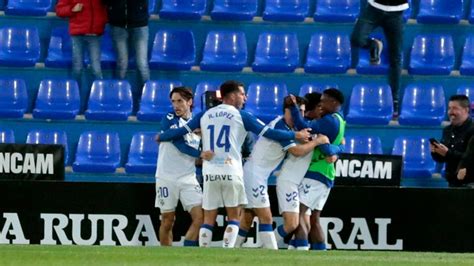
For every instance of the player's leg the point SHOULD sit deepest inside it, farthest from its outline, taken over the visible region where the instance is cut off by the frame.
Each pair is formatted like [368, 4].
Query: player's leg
[232, 229]
[205, 232]
[288, 203]
[265, 228]
[191, 199]
[233, 195]
[211, 201]
[316, 235]
[246, 219]
[166, 228]
[167, 196]
[301, 232]
[192, 235]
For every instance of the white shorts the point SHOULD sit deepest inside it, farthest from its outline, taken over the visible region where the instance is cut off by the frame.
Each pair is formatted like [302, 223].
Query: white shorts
[313, 194]
[223, 190]
[288, 196]
[257, 191]
[186, 190]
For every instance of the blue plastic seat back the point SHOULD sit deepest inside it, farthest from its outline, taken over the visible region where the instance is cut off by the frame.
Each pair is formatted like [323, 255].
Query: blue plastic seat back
[155, 101]
[109, 100]
[365, 67]
[97, 151]
[60, 49]
[183, 9]
[224, 51]
[336, 10]
[28, 7]
[276, 52]
[432, 54]
[143, 154]
[265, 100]
[201, 88]
[7, 135]
[286, 10]
[19, 46]
[440, 11]
[363, 145]
[370, 104]
[43, 136]
[328, 53]
[57, 99]
[173, 50]
[471, 15]
[234, 10]
[467, 90]
[152, 6]
[417, 161]
[315, 87]
[423, 104]
[13, 98]
[467, 64]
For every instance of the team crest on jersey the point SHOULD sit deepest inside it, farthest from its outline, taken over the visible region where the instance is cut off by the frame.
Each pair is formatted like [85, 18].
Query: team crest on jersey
[198, 188]
[162, 202]
[228, 161]
[170, 116]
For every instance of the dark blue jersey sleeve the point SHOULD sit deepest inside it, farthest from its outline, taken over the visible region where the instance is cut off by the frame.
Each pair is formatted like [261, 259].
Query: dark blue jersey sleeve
[330, 149]
[183, 147]
[252, 124]
[175, 133]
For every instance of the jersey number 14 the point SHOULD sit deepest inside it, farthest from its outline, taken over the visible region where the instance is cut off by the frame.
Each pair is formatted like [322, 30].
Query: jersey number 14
[222, 140]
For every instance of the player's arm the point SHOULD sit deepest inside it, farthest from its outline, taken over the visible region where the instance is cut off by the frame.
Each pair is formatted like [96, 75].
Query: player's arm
[175, 133]
[303, 149]
[183, 147]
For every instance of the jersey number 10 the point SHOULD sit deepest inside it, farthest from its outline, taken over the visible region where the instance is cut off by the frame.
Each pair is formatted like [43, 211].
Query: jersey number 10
[222, 140]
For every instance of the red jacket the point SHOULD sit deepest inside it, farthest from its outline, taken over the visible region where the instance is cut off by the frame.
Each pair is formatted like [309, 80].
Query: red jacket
[90, 20]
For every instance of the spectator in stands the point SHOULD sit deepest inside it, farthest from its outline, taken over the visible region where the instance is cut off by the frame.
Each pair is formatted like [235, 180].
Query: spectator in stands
[129, 21]
[86, 25]
[455, 138]
[465, 174]
[387, 14]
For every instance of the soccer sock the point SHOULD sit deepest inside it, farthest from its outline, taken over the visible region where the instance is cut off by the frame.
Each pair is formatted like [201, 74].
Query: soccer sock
[301, 244]
[318, 246]
[205, 235]
[241, 238]
[230, 234]
[191, 243]
[265, 231]
[280, 235]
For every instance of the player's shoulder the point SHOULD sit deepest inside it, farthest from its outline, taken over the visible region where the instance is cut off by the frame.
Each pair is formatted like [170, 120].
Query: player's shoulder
[171, 116]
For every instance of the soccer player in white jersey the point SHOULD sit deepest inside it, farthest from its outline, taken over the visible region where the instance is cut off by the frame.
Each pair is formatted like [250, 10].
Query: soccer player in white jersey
[175, 173]
[267, 154]
[223, 130]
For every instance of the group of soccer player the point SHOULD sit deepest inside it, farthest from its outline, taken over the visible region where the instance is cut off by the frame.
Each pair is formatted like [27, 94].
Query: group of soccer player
[304, 140]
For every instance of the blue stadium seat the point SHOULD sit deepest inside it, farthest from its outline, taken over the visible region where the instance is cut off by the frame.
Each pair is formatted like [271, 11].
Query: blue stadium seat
[224, 51]
[155, 101]
[371, 104]
[290, 10]
[152, 5]
[108, 57]
[328, 53]
[467, 64]
[43, 136]
[363, 145]
[28, 7]
[276, 52]
[336, 11]
[417, 161]
[97, 152]
[182, 9]
[265, 100]
[471, 15]
[173, 50]
[7, 135]
[60, 49]
[57, 99]
[407, 12]
[19, 46]
[364, 66]
[143, 154]
[109, 100]
[235, 10]
[423, 105]
[467, 90]
[201, 88]
[432, 54]
[440, 11]
[13, 98]
[315, 87]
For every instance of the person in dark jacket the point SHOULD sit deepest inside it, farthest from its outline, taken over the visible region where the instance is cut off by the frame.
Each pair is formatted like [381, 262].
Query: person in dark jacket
[455, 138]
[87, 21]
[128, 19]
[465, 174]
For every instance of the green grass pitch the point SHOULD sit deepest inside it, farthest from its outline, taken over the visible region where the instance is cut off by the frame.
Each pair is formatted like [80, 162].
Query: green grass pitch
[99, 255]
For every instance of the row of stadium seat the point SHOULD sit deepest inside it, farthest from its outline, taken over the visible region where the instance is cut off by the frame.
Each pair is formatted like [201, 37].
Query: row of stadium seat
[430, 11]
[99, 151]
[328, 53]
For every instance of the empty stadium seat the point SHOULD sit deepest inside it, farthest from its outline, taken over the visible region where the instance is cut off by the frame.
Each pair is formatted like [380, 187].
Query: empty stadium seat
[182, 9]
[276, 52]
[336, 11]
[155, 101]
[365, 67]
[328, 53]
[60, 49]
[98, 152]
[152, 5]
[432, 54]
[417, 161]
[315, 87]
[13, 98]
[7, 135]
[363, 145]
[109, 100]
[423, 105]
[290, 10]
[371, 104]
[143, 154]
[471, 14]
[201, 88]
[57, 99]
[265, 100]
[440, 11]
[28, 7]
[407, 12]
[224, 51]
[467, 64]
[173, 50]
[19, 46]
[44, 136]
[239, 10]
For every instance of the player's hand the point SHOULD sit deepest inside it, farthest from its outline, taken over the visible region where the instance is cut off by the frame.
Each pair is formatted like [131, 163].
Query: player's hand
[290, 100]
[303, 135]
[461, 174]
[77, 7]
[440, 149]
[207, 155]
[331, 159]
[157, 138]
[322, 139]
